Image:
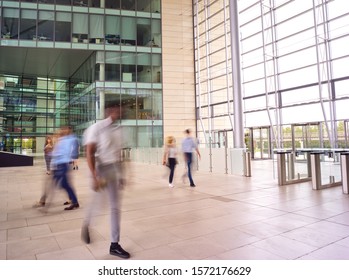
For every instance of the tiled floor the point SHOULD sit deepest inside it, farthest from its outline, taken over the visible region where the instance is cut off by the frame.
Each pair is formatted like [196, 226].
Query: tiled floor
[224, 217]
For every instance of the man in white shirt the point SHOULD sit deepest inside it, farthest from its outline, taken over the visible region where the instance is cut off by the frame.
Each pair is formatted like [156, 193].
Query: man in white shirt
[103, 143]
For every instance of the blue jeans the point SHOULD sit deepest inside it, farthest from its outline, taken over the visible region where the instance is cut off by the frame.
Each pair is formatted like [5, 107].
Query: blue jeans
[189, 158]
[172, 165]
[60, 175]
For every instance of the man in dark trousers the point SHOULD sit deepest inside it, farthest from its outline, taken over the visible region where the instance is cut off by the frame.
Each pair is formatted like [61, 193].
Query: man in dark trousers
[189, 144]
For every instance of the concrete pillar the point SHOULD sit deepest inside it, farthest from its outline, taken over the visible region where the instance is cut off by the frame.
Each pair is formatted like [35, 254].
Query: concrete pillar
[101, 92]
[236, 71]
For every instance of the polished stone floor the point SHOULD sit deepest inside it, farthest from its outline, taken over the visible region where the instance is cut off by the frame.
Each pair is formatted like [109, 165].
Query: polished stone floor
[225, 217]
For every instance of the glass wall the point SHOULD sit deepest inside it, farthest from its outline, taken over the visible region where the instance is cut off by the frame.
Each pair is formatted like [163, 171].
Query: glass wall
[293, 62]
[50, 23]
[31, 108]
[125, 65]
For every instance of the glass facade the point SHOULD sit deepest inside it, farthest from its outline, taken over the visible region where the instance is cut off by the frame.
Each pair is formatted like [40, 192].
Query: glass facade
[294, 73]
[122, 40]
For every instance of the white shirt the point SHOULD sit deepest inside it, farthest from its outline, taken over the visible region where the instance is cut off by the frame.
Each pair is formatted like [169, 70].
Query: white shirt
[171, 151]
[108, 139]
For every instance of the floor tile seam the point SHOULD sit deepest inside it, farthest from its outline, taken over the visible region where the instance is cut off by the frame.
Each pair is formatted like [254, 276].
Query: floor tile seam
[290, 230]
[280, 235]
[327, 245]
[269, 252]
[251, 243]
[320, 219]
[318, 247]
[298, 227]
[176, 203]
[35, 255]
[37, 237]
[256, 247]
[259, 205]
[180, 212]
[172, 245]
[16, 227]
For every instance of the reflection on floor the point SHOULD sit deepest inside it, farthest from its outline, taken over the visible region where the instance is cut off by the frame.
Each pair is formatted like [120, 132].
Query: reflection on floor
[224, 217]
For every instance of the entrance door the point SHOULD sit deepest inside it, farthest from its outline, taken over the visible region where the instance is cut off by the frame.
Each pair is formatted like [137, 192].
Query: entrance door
[305, 136]
[260, 142]
[346, 133]
[222, 138]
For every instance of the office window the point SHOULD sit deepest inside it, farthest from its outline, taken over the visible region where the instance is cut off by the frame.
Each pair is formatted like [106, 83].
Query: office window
[112, 30]
[28, 25]
[45, 1]
[63, 27]
[45, 26]
[155, 6]
[128, 31]
[112, 4]
[128, 5]
[143, 32]
[80, 28]
[95, 3]
[144, 68]
[81, 3]
[128, 67]
[144, 105]
[112, 66]
[63, 2]
[157, 104]
[156, 32]
[144, 5]
[9, 26]
[156, 68]
[96, 29]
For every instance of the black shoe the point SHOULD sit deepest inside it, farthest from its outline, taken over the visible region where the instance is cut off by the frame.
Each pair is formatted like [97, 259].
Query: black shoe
[116, 250]
[67, 202]
[72, 206]
[85, 235]
[192, 185]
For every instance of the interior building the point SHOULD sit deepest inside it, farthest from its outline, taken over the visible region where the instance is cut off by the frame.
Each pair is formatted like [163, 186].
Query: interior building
[283, 84]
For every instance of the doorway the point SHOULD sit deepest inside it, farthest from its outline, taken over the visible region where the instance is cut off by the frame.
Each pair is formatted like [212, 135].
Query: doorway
[306, 136]
[260, 142]
[346, 133]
